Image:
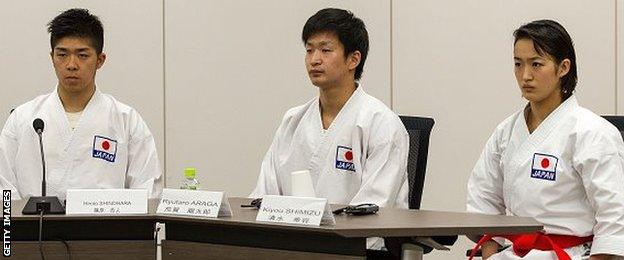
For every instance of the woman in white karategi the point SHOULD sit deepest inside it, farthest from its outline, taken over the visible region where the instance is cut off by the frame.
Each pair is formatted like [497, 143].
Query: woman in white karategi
[553, 160]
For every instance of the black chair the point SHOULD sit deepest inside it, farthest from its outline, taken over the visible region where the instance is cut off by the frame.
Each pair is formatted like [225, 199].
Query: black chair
[617, 121]
[419, 131]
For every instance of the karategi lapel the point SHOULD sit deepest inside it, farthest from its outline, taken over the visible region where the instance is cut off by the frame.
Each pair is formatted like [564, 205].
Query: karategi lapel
[532, 141]
[71, 149]
[57, 131]
[327, 142]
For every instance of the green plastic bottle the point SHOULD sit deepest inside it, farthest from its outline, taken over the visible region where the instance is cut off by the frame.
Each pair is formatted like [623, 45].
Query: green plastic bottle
[189, 182]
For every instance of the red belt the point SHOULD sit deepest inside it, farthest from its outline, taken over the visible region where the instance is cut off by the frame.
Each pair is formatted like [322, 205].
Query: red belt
[524, 243]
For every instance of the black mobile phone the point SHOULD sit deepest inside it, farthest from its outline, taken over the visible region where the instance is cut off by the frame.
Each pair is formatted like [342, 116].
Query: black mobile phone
[358, 210]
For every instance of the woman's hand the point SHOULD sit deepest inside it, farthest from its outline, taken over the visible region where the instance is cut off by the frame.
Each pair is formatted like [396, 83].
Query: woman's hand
[602, 257]
[489, 248]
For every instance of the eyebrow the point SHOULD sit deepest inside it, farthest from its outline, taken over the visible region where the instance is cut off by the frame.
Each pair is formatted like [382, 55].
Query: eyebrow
[532, 58]
[67, 49]
[321, 43]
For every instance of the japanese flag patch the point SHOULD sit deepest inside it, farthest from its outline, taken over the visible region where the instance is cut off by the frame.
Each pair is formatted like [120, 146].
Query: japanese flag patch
[544, 167]
[344, 158]
[104, 148]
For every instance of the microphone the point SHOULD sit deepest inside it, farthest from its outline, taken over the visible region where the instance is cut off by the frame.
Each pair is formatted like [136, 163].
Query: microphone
[43, 204]
[38, 125]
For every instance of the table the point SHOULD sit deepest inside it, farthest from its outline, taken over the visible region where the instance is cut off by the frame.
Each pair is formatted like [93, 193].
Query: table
[88, 237]
[241, 237]
[123, 237]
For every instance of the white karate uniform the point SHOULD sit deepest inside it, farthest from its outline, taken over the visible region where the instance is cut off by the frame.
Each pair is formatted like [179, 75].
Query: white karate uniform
[360, 158]
[575, 253]
[110, 147]
[568, 175]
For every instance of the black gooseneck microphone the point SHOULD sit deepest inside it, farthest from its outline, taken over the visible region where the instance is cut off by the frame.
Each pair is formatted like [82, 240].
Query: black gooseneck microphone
[43, 204]
[38, 125]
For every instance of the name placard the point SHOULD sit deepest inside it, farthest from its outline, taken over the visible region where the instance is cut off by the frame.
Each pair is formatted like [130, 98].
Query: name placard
[196, 203]
[295, 210]
[106, 201]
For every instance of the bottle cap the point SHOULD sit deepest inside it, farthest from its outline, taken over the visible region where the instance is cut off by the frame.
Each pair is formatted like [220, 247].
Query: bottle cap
[189, 173]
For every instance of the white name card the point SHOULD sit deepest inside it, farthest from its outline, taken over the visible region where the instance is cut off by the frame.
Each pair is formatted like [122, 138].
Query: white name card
[196, 203]
[295, 210]
[106, 201]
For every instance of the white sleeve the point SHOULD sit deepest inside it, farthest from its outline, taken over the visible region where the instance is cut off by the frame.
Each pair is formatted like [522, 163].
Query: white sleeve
[601, 166]
[143, 169]
[384, 172]
[485, 186]
[267, 180]
[8, 152]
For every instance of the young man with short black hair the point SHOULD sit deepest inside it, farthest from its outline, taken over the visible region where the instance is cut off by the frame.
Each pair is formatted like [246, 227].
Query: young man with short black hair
[354, 146]
[90, 139]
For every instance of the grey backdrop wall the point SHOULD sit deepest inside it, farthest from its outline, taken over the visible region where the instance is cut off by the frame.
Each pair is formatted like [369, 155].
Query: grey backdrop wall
[213, 77]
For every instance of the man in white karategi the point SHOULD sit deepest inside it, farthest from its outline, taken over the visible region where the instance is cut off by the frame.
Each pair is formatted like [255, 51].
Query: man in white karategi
[91, 140]
[354, 146]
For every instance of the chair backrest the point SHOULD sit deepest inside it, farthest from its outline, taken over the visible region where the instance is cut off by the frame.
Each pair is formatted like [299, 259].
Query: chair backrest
[617, 121]
[419, 130]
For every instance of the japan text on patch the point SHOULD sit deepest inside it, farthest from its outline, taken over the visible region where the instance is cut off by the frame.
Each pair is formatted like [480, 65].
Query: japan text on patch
[344, 158]
[104, 148]
[544, 167]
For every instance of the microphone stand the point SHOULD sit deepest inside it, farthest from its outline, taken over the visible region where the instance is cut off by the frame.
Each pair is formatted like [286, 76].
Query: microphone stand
[44, 204]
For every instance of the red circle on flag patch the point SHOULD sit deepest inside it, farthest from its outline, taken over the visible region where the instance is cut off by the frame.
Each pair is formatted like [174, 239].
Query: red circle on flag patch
[106, 145]
[545, 163]
[349, 155]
